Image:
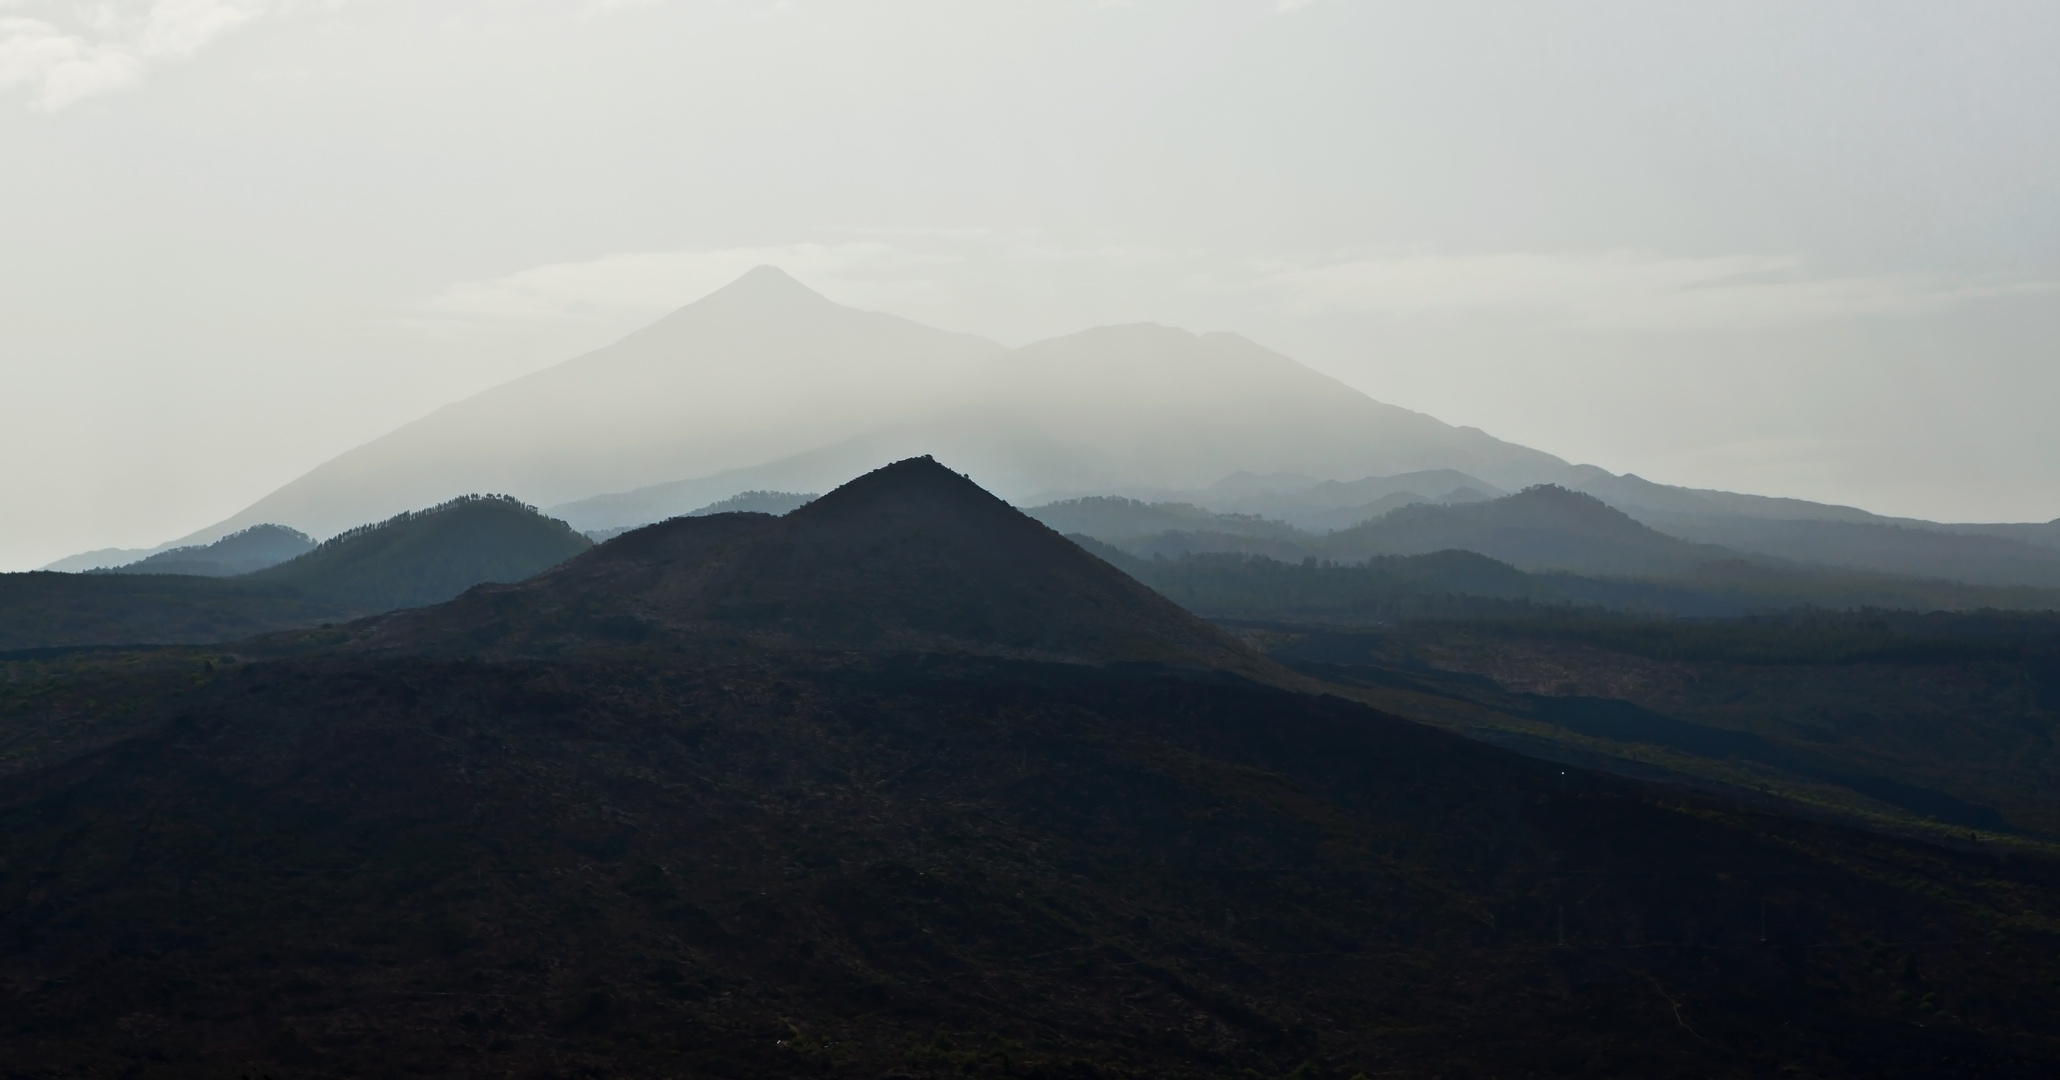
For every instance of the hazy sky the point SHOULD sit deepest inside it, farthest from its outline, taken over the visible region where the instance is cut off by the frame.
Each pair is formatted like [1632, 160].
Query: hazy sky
[1793, 248]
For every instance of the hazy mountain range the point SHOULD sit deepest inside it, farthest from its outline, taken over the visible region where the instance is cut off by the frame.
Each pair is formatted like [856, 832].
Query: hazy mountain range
[766, 386]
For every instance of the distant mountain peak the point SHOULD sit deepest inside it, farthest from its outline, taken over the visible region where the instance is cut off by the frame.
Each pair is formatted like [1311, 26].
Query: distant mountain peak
[765, 288]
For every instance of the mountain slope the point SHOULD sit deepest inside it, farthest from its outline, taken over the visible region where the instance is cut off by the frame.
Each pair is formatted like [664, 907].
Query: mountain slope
[757, 370]
[1924, 550]
[826, 825]
[1544, 527]
[1838, 536]
[244, 552]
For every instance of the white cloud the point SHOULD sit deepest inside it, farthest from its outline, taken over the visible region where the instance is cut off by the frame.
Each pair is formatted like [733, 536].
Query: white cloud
[971, 278]
[63, 52]
[1618, 290]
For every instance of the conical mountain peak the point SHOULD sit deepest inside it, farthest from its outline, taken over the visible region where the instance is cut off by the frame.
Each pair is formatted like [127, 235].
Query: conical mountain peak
[765, 288]
[918, 484]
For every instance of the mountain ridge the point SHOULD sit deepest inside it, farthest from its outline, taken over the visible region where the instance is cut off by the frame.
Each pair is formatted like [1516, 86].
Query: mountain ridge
[766, 371]
[909, 557]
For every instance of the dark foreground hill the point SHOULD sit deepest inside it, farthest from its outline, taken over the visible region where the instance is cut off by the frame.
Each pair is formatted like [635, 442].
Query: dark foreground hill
[909, 558]
[815, 797]
[411, 560]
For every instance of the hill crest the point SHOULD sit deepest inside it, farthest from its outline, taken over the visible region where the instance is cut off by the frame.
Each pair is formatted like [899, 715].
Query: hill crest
[909, 558]
[427, 556]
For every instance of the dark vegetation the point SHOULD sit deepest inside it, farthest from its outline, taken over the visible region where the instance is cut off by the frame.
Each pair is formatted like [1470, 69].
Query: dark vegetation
[408, 561]
[903, 784]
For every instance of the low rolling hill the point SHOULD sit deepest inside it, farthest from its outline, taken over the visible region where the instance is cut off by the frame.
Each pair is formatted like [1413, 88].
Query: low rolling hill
[1543, 528]
[1540, 528]
[249, 551]
[414, 559]
[429, 556]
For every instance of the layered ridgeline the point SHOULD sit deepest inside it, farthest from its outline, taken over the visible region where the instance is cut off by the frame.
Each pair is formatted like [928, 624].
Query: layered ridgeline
[1792, 530]
[766, 385]
[424, 557]
[1540, 528]
[1577, 547]
[902, 784]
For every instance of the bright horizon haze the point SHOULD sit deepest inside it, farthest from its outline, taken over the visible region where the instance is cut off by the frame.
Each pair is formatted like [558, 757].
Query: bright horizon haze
[1803, 250]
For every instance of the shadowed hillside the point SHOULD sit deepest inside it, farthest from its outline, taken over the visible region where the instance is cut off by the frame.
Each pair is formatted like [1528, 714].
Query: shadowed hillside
[744, 796]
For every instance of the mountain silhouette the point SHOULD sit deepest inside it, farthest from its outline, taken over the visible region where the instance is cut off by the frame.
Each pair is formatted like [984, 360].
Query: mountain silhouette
[912, 557]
